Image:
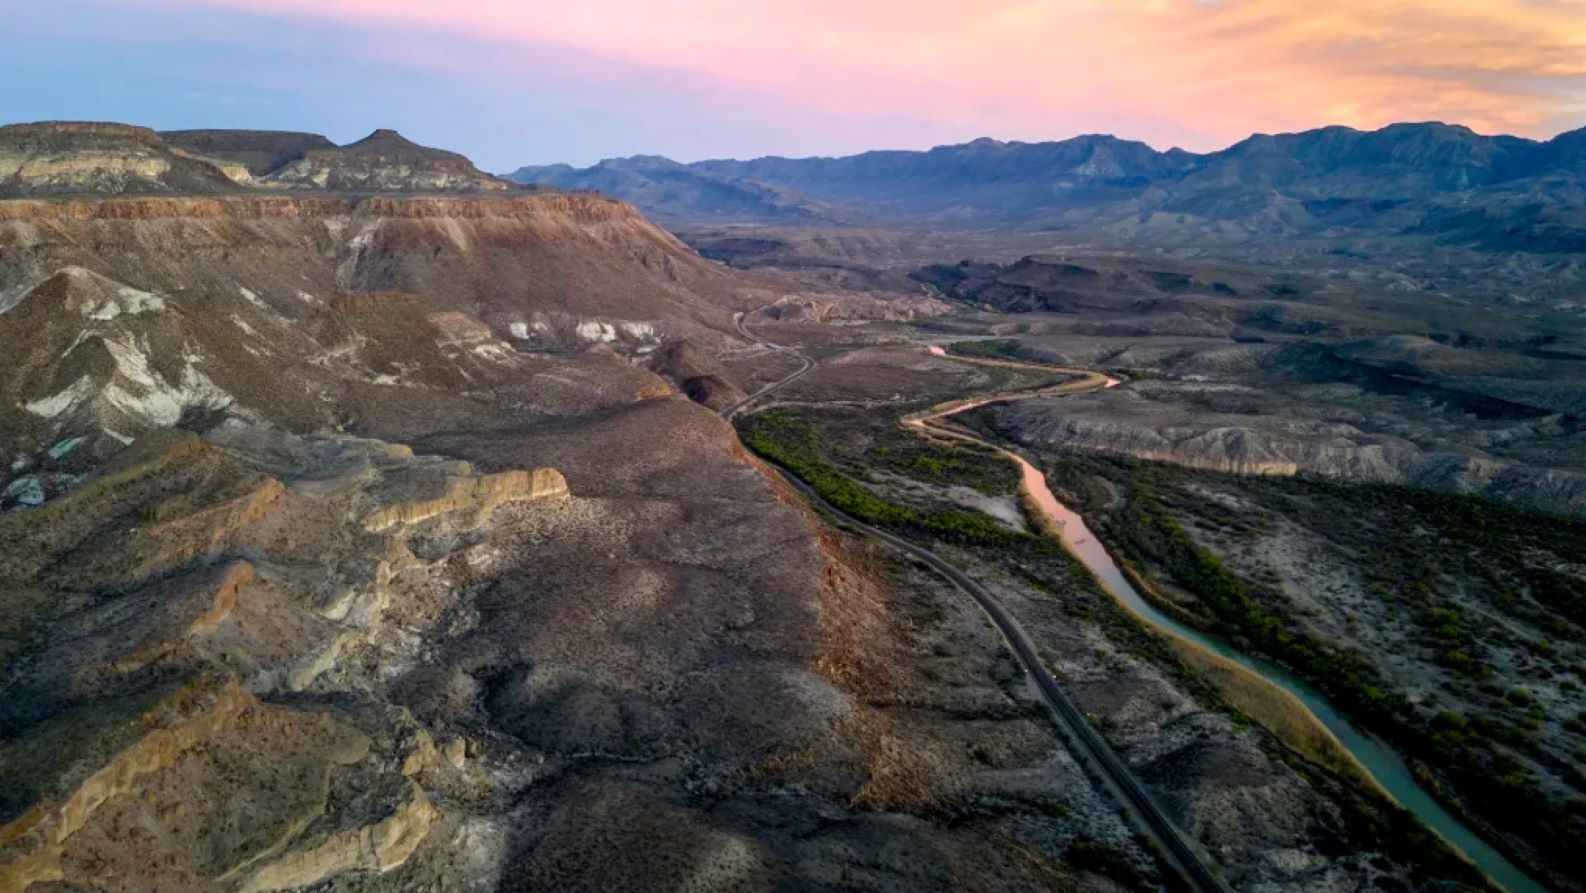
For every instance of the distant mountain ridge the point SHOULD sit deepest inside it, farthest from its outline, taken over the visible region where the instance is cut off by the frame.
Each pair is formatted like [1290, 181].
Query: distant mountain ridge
[57, 158]
[1402, 178]
[656, 182]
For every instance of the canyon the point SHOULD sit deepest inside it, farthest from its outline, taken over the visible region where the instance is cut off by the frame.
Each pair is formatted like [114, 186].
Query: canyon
[350, 542]
[369, 522]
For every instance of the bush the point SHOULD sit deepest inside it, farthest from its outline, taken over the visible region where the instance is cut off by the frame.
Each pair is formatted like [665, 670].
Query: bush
[1085, 854]
[793, 442]
[1001, 349]
[1241, 610]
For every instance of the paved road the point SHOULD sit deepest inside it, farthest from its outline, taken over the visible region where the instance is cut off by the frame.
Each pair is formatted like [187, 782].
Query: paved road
[1084, 741]
[746, 402]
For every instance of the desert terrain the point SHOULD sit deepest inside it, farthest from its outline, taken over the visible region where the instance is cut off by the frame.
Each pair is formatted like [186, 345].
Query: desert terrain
[370, 522]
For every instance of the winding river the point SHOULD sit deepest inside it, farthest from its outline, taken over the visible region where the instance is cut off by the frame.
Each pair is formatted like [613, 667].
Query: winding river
[1382, 762]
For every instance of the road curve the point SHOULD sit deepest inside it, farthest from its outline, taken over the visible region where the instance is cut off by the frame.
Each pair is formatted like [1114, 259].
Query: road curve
[731, 411]
[1085, 742]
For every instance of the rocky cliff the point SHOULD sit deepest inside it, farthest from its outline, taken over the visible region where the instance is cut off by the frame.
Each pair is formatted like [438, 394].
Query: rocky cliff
[59, 158]
[258, 152]
[103, 159]
[1225, 427]
[137, 717]
[126, 316]
[530, 265]
[384, 161]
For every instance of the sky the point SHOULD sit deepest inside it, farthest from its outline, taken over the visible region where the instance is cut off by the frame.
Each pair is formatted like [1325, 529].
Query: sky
[511, 82]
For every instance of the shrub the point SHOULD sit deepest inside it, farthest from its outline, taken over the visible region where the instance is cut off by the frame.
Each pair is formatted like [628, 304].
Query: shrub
[1085, 854]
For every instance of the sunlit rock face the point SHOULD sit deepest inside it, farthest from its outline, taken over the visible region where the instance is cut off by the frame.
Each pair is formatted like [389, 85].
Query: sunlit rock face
[74, 158]
[384, 161]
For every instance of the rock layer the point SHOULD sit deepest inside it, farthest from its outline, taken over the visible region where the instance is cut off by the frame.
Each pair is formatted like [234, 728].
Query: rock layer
[473, 497]
[145, 701]
[72, 158]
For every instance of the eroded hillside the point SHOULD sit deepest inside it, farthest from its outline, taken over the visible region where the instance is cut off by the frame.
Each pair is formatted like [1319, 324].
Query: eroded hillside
[349, 543]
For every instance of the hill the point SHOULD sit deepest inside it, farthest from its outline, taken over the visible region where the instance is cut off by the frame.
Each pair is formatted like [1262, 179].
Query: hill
[90, 158]
[63, 157]
[259, 151]
[346, 542]
[384, 161]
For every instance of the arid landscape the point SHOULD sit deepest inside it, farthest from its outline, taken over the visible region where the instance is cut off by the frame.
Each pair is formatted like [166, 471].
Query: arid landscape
[372, 522]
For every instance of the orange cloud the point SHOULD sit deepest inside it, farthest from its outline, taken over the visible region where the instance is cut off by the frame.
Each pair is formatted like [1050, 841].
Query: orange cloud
[1208, 71]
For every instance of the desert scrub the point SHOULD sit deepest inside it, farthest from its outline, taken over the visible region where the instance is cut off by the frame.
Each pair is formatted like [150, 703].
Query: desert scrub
[906, 454]
[1242, 610]
[998, 349]
[795, 442]
[1441, 567]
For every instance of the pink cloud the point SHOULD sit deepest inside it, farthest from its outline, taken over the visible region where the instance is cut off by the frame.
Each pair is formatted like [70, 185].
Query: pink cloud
[1203, 70]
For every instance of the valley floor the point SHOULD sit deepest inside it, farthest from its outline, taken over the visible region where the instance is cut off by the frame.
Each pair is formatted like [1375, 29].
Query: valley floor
[1183, 742]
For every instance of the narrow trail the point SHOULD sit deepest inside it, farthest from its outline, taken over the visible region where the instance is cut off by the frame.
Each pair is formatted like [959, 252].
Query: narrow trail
[807, 364]
[1085, 743]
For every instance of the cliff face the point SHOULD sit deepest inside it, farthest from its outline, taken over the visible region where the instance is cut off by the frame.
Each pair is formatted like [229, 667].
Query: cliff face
[74, 158]
[267, 215]
[511, 260]
[156, 706]
[125, 316]
[384, 161]
[258, 152]
[474, 497]
[544, 271]
[1242, 434]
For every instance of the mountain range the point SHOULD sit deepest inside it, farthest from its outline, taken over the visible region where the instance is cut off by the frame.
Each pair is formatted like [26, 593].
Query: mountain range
[1430, 179]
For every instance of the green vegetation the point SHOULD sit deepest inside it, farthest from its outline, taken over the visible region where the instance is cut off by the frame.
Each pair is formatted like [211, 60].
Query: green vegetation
[835, 452]
[1242, 610]
[946, 465]
[1447, 564]
[833, 455]
[794, 442]
[1001, 349]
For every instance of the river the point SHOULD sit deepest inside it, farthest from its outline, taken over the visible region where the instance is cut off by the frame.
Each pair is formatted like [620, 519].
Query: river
[1384, 763]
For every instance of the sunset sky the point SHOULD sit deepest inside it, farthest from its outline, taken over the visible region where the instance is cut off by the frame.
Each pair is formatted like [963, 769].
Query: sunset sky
[512, 82]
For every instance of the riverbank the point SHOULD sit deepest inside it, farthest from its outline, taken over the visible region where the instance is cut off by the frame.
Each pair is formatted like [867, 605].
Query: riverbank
[1357, 754]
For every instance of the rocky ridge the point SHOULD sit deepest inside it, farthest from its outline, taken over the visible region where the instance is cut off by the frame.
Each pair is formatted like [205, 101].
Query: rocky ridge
[572, 258]
[67, 157]
[146, 679]
[1226, 427]
[384, 161]
[1285, 182]
[678, 191]
[72, 158]
[1427, 200]
[250, 642]
[257, 152]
